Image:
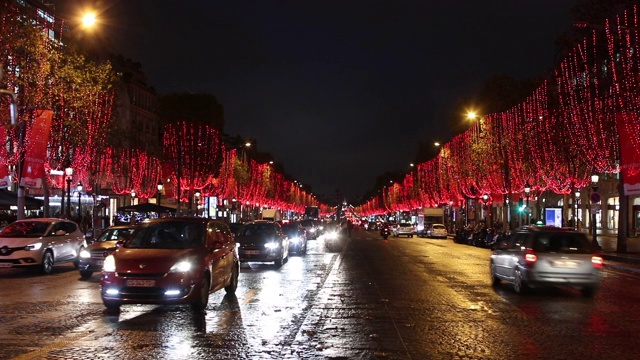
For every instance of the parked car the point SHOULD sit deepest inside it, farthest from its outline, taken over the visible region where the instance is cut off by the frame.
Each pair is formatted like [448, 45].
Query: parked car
[177, 260]
[404, 228]
[39, 243]
[437, 231]
[297, 237]
[92, 257]
[263, 241]
[546, 256]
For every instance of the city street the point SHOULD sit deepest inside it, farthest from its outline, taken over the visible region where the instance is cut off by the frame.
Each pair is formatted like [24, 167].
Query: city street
[401, 298]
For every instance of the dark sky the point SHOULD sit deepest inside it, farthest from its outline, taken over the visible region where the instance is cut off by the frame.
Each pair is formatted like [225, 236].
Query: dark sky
[339, 92]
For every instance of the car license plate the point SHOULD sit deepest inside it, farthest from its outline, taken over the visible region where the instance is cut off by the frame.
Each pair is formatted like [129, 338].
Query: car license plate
[564, 264]
[252, 252]
[141, 283]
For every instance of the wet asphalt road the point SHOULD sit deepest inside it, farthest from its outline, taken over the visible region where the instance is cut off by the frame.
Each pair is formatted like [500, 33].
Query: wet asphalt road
[402, 298]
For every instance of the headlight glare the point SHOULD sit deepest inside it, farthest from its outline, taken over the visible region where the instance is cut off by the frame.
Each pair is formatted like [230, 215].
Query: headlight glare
[271, 245]
[109, 264]
[85, 254]
[181, 266]
[34, 246]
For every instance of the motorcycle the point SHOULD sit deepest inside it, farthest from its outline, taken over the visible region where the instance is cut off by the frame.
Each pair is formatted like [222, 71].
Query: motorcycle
[385, 231]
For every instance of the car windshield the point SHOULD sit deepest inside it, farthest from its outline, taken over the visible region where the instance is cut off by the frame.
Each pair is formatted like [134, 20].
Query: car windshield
[405, 223]
[438, 227]
[290, 229]
[168, 235]
[257, 230]
[116, 234]
[28, 229]
[562, 243]
[307, 223]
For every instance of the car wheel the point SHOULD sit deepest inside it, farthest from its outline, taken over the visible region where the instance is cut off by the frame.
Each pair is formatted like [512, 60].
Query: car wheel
[588, 291]
[203, 296]
[495, 280]
[112, 306]
[47, 263]
[520, 285]
[86, 274]
[233, 282]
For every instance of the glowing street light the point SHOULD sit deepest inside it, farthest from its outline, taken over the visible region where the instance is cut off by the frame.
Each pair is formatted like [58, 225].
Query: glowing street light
[89, 20]
[68, 173]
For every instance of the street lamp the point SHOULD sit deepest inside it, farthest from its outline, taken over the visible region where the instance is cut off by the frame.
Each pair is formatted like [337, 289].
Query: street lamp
[69, 173]
[595, 198]
[133, 196]
[79, 187]
[527, 193]
[197, 201]
[576, 211]
[160, 187]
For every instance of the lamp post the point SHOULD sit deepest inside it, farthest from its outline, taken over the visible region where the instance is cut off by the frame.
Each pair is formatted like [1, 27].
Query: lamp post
[197, 202]
[595, 198]
[576, 210]
[68, 173]
[527, 193]
[133, 196]
[79, 187]
[160, 187]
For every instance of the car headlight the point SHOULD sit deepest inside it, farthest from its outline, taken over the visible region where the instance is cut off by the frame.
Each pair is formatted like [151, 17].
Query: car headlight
[109, 264]
[85, 254]
[312, 230]
[271, 245]
[295, 239]
[34, 246]
[181, 266]
[332, 235]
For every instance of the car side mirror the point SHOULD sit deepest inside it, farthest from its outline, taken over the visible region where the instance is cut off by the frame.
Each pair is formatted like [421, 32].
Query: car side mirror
[119, 243]
[60, 233]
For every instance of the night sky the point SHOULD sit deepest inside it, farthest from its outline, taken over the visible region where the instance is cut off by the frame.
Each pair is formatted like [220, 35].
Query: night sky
[339, 92]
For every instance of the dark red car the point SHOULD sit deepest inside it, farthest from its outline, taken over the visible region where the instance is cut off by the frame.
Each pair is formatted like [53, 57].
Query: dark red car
[171, 261]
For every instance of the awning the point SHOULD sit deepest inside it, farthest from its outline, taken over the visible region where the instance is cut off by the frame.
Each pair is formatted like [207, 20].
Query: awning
[146, 208]
[9, 199]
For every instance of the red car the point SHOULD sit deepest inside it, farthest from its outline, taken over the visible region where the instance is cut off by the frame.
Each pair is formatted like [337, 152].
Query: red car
[171, 261]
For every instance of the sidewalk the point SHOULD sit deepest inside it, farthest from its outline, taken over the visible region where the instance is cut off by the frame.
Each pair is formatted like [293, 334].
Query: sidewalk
[609, 242]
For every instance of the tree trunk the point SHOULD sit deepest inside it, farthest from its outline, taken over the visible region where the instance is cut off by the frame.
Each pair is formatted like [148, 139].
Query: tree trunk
[623, 218]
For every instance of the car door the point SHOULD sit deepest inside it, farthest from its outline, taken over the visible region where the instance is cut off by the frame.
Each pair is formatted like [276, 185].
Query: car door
[514, 254]
[220, 254]
[58, 241]
[503, 256]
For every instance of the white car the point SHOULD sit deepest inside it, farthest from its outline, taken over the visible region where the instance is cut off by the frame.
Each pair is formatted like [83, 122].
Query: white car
[403, 228]
[40, 243]
[437, 231]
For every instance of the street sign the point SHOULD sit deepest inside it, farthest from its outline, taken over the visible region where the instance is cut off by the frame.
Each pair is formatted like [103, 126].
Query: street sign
[596, 207]
[595, 197]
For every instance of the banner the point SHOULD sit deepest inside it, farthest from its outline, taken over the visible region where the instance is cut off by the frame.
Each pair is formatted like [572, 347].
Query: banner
[33, 166]
[629, 152]
[5, 179]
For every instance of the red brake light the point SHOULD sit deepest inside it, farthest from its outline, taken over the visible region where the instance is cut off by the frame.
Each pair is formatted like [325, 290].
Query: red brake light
[597, 261]
[530, 258]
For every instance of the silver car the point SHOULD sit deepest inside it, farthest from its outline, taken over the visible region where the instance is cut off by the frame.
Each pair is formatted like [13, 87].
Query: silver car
[547, 256]
[40, 243]
[437, 231]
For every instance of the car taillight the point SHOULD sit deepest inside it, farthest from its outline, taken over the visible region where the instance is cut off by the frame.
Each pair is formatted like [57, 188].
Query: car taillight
[597, 261]
[530, 258]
